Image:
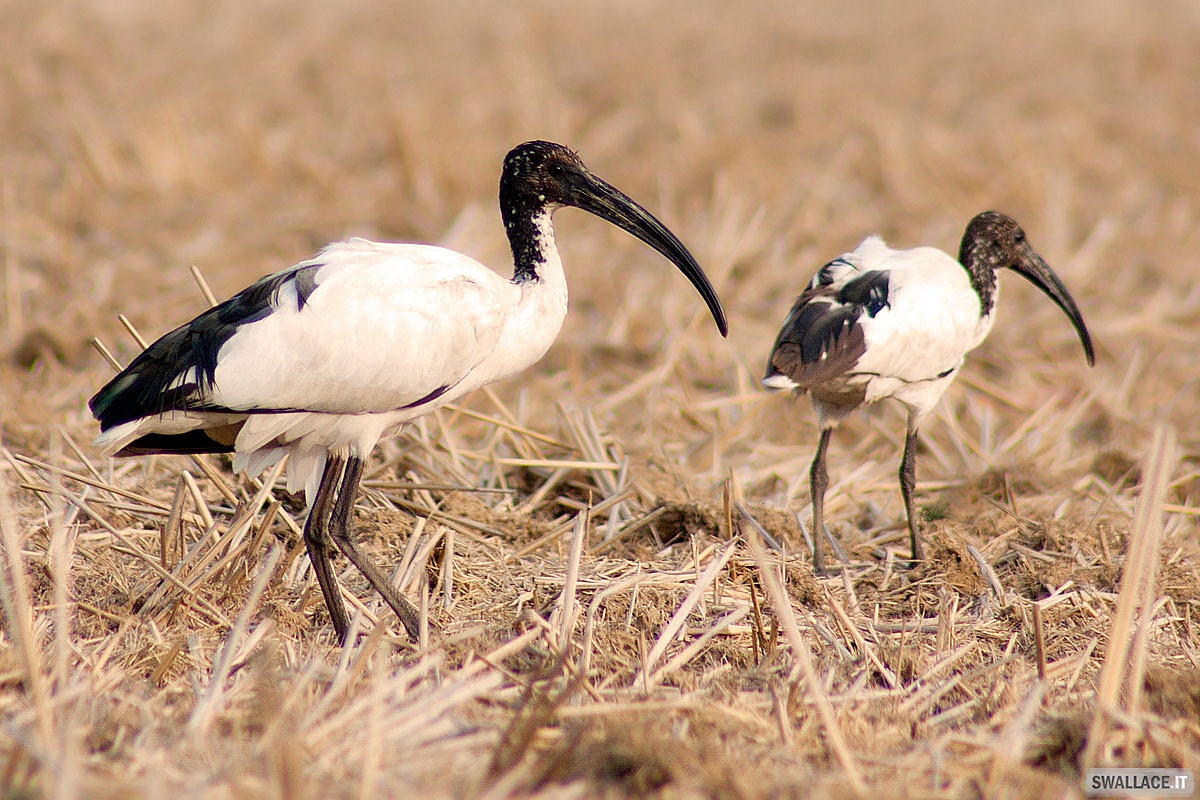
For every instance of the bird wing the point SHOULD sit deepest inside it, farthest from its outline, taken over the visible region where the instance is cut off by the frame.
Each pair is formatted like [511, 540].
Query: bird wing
[904, 315]
[821, 339]
[364, 327]
[818, 342]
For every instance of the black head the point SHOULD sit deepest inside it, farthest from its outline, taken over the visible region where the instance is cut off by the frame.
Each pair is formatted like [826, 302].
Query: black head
[539, 177]
[995, 237]
[995, 241]
[538, 174]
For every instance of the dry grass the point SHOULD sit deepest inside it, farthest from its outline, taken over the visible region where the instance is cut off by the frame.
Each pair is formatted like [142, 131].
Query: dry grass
[162, 634]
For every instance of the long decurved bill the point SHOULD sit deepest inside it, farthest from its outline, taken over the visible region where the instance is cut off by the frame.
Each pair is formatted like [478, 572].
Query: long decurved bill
[1038, 272]
[598, 197]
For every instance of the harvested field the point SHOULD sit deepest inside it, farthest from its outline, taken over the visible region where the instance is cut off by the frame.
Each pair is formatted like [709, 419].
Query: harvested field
[586, 541]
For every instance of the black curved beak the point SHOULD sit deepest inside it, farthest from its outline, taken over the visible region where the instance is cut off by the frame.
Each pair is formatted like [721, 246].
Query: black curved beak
[598, 197]
[1038, 272]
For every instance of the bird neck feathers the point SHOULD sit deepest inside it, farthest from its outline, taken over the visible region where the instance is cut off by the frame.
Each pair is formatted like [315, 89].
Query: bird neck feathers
[981, 265]
[531, 237]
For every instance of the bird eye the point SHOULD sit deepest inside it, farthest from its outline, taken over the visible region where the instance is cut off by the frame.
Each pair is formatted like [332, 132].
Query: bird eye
[555, 170]
[1019, 237]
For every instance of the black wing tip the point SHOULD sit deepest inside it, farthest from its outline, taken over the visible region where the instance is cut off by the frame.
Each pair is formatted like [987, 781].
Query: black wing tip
[819, 342]
[100, 403]
[149, 384]
[120, 404]
[189, 443]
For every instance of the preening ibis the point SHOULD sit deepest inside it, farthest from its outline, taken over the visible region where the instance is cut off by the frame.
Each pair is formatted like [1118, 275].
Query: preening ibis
[878, 322]
[322, 359]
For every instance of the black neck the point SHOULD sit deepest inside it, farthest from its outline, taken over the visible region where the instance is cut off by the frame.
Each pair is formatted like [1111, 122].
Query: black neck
[520, 217]
[980, 264]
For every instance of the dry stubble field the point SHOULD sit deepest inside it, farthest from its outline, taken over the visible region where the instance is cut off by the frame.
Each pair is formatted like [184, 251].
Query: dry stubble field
[162, 633]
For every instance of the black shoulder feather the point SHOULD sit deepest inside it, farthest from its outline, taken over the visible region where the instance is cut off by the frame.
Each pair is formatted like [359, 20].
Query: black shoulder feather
[153, 383]
[819, 341]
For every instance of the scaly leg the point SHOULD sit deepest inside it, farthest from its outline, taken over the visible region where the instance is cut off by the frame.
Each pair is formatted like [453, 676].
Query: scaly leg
[320, 548]
[339, 529]
[819, 480]
[908, 482]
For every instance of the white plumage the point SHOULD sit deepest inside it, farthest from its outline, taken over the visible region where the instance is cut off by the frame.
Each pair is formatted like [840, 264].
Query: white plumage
[430, 318]
[931, 321]
[877, 323]
[321, 360]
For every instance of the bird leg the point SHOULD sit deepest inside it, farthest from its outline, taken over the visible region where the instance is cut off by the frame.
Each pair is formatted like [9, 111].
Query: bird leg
[820, 480]
[320, 548]
[908, 482]
[339, 529]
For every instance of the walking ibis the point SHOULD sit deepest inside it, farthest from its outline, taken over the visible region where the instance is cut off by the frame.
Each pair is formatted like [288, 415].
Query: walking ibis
[321, 360]
[878, 322]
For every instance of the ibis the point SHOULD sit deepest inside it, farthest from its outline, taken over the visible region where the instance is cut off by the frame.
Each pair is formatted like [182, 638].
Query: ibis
[877, 323]
[321, 360]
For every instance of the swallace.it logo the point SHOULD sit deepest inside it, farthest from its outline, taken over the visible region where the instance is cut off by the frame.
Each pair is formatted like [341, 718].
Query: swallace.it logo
[1119, 782]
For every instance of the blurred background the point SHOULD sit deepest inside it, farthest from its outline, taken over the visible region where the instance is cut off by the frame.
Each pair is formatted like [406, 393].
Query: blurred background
[139, 139]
